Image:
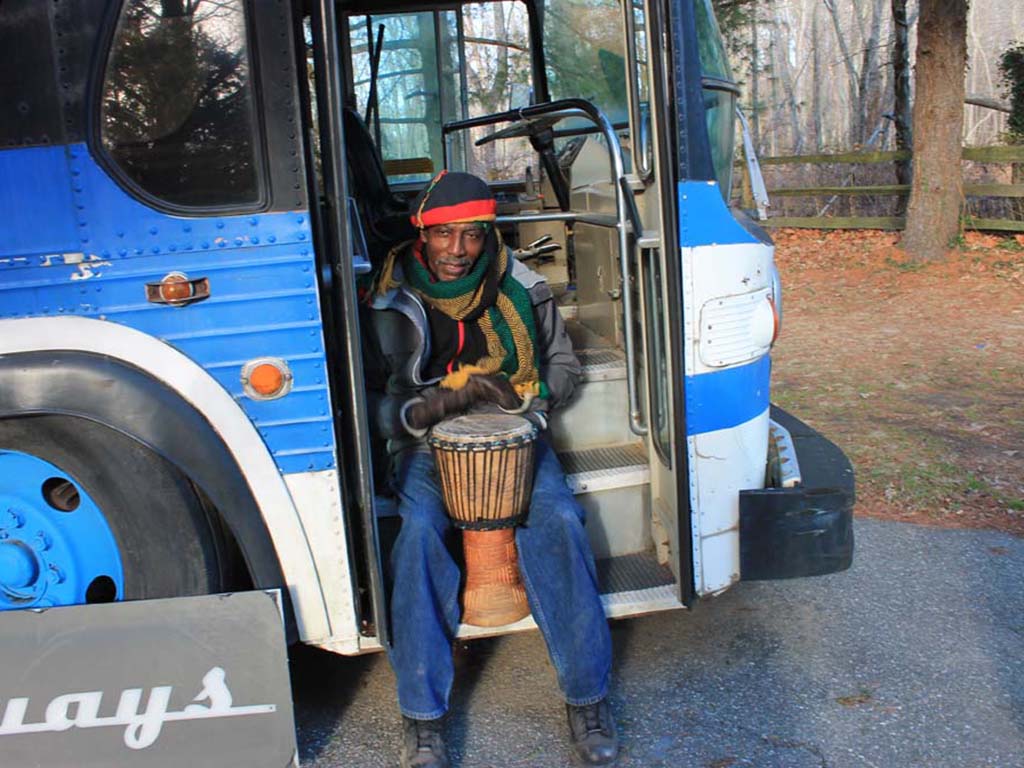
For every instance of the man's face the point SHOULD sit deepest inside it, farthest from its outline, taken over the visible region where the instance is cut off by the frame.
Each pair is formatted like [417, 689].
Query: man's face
[452, 249]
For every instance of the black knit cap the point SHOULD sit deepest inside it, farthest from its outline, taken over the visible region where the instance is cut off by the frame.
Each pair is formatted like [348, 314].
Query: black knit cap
[453, 197]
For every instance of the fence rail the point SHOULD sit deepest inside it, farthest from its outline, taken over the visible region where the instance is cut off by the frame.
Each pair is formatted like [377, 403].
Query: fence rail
[1003, 154]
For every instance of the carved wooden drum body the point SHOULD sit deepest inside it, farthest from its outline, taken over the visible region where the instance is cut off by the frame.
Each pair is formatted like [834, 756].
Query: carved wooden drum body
[485, 465]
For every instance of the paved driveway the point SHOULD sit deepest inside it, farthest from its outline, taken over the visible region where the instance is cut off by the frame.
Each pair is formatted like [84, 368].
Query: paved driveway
[914, 657]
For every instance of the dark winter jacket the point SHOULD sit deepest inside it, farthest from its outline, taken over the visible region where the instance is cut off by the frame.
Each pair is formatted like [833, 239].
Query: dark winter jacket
[396, 348]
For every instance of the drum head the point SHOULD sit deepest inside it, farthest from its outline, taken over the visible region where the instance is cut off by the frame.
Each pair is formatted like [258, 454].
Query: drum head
[484, 428]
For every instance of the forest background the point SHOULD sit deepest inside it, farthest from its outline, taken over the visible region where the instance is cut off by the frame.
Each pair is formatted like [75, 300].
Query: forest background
[818, 75]
[914, 367]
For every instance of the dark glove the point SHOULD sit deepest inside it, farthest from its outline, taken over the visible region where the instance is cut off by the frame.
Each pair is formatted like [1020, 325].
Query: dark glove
[493, 389]
[442, 403]
[438, 406]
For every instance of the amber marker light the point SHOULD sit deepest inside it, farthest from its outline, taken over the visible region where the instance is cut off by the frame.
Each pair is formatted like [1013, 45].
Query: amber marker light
[175, 287]
[266, 378]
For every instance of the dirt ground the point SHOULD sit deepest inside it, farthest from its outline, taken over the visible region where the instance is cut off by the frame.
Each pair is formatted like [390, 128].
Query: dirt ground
[916, 371]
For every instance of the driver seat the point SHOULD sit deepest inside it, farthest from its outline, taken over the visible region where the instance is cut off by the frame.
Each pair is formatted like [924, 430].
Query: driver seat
[385, 216]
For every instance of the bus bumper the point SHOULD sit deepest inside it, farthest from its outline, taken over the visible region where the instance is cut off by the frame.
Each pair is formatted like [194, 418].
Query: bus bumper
[804, 530]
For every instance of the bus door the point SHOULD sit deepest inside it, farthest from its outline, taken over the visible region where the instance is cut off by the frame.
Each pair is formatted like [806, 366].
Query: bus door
[385, 80]
[725, 280]
[701, 283]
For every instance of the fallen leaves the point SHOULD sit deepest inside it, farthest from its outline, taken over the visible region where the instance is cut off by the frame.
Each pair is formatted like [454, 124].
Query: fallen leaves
[915, 370]
[856, 699]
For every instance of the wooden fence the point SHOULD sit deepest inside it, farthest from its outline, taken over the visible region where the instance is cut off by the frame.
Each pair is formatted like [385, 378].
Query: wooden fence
[1002, 154]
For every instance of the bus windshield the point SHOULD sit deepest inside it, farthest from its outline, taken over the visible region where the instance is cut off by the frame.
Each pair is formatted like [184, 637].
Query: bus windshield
[585, 55]
[719, 94]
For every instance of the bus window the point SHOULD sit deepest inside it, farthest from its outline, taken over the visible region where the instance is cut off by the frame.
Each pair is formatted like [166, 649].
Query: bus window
[481, 67]
[177, 104]
[719, 94]
[497, 59]
[407, 96]
[585, 54]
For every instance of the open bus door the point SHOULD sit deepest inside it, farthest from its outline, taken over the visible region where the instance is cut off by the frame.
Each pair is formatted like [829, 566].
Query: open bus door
[725, 498]
[668, 296]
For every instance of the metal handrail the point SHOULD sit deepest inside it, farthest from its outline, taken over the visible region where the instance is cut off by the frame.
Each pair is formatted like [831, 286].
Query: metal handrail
[597, 219]
[642, 162]
[626, 222]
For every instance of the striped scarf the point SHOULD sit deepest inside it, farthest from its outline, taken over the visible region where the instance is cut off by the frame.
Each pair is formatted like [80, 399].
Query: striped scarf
[487, 295]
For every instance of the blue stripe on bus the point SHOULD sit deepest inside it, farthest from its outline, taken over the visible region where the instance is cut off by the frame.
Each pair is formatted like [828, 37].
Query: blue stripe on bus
[724, 399]
[704, 218]
[74, 243]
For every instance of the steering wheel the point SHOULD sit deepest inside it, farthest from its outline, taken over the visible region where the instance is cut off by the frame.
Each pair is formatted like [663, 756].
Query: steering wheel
[542, 139]
[528, 127]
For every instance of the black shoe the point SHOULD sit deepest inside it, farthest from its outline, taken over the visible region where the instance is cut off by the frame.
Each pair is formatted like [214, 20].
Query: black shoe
[422, 745]
[592, 730]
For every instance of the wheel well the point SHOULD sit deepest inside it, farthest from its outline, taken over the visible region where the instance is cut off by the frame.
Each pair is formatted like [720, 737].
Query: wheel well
[108, 486]
[237, 571]
[126, 399]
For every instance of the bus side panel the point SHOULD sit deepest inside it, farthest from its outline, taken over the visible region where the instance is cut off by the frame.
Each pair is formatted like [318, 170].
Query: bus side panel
[38, 210]
[76, 243]
[80, 246]
[726, 275]
[263, 301]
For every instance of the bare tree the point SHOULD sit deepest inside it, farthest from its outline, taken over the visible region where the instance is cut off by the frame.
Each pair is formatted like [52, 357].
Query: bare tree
[901, 87]
[783, 72]
[755, 105]
[839, 66]
[868, 91]
[816, 78]
[936, 197]
[853, 79]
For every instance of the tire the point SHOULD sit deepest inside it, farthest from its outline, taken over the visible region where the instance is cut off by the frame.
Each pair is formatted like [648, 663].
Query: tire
[165, 542]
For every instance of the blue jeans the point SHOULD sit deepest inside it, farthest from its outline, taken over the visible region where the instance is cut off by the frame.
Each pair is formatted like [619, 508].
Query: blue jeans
[558, 572]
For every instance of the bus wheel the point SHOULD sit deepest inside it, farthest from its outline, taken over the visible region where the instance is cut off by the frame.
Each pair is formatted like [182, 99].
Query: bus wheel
[88, 515]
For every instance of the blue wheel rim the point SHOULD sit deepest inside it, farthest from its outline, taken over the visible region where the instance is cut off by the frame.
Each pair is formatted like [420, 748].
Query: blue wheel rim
[56, 547]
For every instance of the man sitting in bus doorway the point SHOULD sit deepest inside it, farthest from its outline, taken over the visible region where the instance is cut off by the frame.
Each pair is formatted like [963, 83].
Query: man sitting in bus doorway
[427, 300]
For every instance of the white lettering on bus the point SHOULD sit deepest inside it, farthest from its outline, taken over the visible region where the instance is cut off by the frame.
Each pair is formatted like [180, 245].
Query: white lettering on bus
[142, 727]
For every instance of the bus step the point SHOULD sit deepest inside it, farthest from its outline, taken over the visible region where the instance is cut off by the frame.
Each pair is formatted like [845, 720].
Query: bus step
[632, 572]
[602, 363]
[599, 469]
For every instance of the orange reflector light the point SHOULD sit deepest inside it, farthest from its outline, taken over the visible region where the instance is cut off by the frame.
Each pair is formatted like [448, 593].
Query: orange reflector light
[175, 287]
[266, 378]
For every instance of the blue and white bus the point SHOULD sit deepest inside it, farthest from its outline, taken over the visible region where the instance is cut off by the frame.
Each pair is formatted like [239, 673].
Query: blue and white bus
[189, 190]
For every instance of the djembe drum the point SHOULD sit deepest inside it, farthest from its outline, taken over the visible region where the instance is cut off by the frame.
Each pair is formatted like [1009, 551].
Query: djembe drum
[485, 465]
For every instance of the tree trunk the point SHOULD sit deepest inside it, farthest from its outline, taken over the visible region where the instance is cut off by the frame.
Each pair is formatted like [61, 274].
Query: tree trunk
[869, 76]
[755, 107]
[901, 87]
[936, 196]
[819, 135]
[773, 83]
[856, 127]
[785, 73]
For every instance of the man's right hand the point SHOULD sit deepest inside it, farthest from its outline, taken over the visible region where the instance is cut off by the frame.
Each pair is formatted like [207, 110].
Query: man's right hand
[442, 403]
